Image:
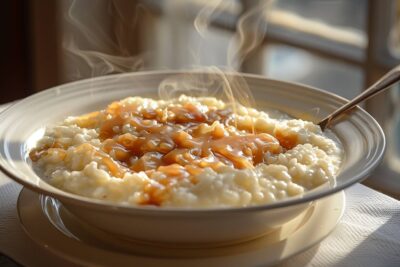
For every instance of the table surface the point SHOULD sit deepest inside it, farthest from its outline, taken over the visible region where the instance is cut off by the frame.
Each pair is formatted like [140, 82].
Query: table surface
[367, 235]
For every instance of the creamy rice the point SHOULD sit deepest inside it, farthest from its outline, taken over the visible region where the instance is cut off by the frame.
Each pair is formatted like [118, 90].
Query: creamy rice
[90, 155]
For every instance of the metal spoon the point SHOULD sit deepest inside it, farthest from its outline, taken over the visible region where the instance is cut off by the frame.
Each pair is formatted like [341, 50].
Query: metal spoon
[381, 85]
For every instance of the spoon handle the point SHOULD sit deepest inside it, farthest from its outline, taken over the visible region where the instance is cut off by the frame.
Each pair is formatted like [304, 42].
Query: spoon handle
[379, 86]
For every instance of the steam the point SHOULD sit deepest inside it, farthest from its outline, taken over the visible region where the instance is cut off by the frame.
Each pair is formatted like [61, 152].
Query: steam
[211, 82]
[250, 31]
[101, 63]
[227, 84]
[206, 14]
[105, 54]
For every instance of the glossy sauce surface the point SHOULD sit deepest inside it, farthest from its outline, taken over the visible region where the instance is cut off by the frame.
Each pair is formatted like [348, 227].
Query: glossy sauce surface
[177, 142]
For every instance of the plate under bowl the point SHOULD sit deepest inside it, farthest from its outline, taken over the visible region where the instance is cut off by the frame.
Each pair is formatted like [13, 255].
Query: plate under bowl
[56, 231]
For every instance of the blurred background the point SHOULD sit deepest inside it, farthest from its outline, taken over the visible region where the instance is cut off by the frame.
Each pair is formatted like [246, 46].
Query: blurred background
[337, 45]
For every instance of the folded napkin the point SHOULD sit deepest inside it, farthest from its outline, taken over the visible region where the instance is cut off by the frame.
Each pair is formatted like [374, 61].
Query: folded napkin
[367, 235]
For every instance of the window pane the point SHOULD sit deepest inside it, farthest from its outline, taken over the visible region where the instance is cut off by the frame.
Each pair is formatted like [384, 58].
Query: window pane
[337, 27]
[291, 64]
[340, 13]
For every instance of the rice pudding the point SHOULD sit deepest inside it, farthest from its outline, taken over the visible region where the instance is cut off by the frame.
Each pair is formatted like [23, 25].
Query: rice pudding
[185, 152]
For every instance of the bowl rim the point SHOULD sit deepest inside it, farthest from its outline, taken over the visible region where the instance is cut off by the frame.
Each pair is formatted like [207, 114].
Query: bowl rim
[70, 198]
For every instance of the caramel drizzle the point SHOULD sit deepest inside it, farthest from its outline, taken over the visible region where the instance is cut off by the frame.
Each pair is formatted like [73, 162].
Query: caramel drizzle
[171, 141]
[179, 138]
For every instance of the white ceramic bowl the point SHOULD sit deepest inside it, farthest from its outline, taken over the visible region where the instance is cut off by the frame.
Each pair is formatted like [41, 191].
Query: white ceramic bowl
[23, 123]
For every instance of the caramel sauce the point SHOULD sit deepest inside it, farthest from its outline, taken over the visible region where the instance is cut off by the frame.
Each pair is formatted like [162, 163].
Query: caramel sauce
[160, 141]
[36, 154]
[175, 141]
[287, 140]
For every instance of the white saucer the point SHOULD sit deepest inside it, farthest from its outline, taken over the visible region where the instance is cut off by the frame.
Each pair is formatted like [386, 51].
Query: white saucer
[52, 227]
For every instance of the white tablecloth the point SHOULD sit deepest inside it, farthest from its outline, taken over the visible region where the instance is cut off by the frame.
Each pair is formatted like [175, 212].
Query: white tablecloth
[367, 235]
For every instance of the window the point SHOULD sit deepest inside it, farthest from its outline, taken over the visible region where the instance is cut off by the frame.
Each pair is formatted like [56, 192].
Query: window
[340, 46]
[293, 64]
